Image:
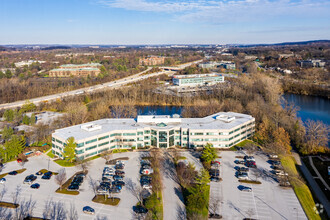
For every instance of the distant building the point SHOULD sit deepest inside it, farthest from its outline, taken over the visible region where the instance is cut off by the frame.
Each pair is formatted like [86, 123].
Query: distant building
[250, 57]
[311, 63]
[28, 63]
[197, 79]
[285, 55]
[67, 70]
[151, 61]
[222, 130]
[213, 64]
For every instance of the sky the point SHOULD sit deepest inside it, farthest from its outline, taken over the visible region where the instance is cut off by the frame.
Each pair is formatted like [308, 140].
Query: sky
[133, 22]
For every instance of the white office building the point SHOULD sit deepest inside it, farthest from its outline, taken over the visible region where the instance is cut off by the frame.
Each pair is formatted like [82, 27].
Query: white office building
[222, 130]
[198, 79]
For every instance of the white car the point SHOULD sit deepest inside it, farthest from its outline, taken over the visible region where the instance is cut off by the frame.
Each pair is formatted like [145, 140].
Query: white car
[243, 177]
[2, 180]
[147, 171]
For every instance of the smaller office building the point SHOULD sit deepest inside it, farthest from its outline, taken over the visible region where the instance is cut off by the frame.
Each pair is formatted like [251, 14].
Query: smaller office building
[67, 70]
[198, 79]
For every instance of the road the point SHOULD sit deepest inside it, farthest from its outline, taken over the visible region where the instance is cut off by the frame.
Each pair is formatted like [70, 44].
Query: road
[95, 88]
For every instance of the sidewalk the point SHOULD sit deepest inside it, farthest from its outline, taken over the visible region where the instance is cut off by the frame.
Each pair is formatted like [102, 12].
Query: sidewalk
[314, 187]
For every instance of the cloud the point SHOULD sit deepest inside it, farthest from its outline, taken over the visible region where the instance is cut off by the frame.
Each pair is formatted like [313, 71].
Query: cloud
[225, 11]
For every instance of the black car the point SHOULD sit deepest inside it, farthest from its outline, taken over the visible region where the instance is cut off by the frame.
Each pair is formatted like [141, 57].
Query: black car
[35, 186]
[29, 179]
[105, 184]
[45, 177]
[39, 173]
[215, 179]
[116, 177]
[140, 210]
[13, 173]
[120, 172]
[73, 187]
[119, 167]
[243, 169]
[117, 182]
[145, 178]
[106, 179]
[49, 173]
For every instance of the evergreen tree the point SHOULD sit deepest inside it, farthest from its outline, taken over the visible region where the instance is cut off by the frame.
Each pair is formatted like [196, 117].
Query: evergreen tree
[69, 150]
[33, 119]
[9, 115]
[209, 153]
[7, 132]
[26, 120]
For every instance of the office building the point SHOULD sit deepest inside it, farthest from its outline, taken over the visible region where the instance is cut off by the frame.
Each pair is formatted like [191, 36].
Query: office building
[222, 130]
[197, 79]
[67, 70]
[151, 61]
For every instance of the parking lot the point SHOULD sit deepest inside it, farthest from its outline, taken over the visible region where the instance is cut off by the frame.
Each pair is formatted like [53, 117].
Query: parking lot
[47, 188]
[266, 201]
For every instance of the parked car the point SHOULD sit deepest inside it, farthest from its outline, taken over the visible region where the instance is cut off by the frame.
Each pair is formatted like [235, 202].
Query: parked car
[88, 210]
[119, 172]
[115, 190]
[276, 162]
[281, 173]
[47, 175]
[251, 164]
[148, 178]
[102, 190]
[243, 169]
[39, 173]
[116, 177]
[73, 187]
[242, 176]
[145, 162]
[214, 172]
[117, 182]
[140, 210]
[245, 188]
[2, 180]
[13, 173]
[120, 162]
[30, 179]
[273, 156]
[239, 161]
[107, 175]
[35, 186]
[119, 166]
[215, 179]
[146, 185]
[106, 179]
[249, 158]
[147, 171]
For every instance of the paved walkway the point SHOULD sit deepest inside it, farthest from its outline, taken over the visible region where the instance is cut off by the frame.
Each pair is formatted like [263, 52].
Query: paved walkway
[317, 172]
[315, 187]
[173, 205]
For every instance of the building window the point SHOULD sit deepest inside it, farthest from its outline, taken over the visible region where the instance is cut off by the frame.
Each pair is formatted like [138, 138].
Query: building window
[90, 148]
[129, 134]
[210, 133]
[171, 132]
[147, 132]
[139, 133]
[153, 132]
[104, 137]
[103, 143]
[115, 134]
[58, 141]
[80, 144]
[91, 141]
[171, 141]
[162, 136]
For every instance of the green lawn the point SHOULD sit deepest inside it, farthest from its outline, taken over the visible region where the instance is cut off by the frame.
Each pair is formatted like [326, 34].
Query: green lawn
[18, 172]
[9, 205]
[300, 188]
[50, 154]
[106, 201]
[64, 163]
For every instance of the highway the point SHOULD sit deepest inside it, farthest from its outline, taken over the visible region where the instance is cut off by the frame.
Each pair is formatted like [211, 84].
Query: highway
[96, 88]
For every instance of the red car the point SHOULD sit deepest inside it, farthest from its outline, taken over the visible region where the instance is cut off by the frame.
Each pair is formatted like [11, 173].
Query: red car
[251, 164]
[19, 160]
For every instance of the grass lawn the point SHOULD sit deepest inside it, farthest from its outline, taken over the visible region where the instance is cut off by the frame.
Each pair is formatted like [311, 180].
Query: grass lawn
[50, 154]
[64, 163]
[18, 172]
[300, 188]
[8, 205]
[249, 181]
[65, 190]
[45, 171]
[105, 200]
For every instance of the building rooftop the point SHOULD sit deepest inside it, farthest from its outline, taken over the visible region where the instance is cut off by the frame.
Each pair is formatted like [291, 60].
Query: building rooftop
[75, 69]
[196, 75]
[85, 64]
[218, 121]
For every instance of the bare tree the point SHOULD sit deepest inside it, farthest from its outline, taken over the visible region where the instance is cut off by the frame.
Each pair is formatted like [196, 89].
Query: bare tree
[72, 214]
[257, 173]
[251, 148]
[135, 190]
[214, 205]
[25, 209]
[58, 211]
[83, 164]
[317, 135]
[16, 194]
[107, 155]
[92, 184]
[60, 177]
